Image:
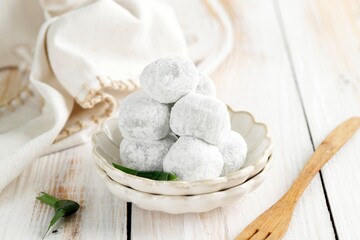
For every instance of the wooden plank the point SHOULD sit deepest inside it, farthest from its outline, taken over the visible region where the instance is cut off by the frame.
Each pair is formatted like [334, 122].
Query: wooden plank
[257, 77]
[324, 40]
[68, 174]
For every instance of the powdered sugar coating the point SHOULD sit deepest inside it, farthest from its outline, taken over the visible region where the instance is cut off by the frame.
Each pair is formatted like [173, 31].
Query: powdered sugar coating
[141, 117]
[233, 149]
[145, 155]
[199, 116]
[227, 122]
[206, 86]
[192, 159]
[168, 79]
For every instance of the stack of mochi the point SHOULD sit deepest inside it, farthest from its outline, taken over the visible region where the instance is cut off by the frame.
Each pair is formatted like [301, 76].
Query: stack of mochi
[176, 124]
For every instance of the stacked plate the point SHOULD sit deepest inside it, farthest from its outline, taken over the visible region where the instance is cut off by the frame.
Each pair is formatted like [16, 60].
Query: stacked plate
[182, 197]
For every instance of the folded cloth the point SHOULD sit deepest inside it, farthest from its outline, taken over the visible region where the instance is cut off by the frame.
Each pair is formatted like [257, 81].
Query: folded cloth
[205, 23]
[23, 143]
[87, 58]
[53, 8]
[20, 22]
[80, 58]
[107, 44]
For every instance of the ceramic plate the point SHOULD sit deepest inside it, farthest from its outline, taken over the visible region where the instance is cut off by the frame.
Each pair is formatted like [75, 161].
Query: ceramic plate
[183, 204]
[107, 140]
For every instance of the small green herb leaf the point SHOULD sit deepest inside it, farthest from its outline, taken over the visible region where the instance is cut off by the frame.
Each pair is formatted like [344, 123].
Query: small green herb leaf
[68, 206]
[172, 177]
[154, 175]
[62, 207]
[58, 214]
[126, 170]
[163, 176]
[47, 199]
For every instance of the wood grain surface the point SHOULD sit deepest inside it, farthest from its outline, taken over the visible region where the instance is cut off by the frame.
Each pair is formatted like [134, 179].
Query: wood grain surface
[323, 41]
[274, 222]
[295, 66]
[67, 174]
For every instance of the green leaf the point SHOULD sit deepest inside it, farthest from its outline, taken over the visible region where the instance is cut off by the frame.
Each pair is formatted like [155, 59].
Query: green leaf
[62, 207]
[68, 206]
[150, 175]
[154, 175]
[163, 176]
[47, 199]
[58, 214]
[126, 170]
[172, 177]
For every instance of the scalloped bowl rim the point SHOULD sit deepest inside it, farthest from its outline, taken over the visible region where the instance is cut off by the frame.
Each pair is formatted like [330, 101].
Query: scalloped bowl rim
[194, 196]
[263, 160]
[175, 204]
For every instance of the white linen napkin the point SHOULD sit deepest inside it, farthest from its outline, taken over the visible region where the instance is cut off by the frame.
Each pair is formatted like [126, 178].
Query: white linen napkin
[20, 22]
[78, 57]
[87, 57]
[205, 24]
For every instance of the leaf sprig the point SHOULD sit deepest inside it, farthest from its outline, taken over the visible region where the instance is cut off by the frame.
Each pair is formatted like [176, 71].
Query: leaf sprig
[63, 207]
[154, 175]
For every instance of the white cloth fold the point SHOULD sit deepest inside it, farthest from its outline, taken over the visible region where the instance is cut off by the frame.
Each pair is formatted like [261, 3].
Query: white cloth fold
[108, 43]
[82, 59]
[100, 46]
[21, 145]
[20, 22]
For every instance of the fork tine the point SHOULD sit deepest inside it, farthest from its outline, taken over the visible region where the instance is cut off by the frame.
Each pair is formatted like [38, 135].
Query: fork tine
[246, 234]
[260, 235]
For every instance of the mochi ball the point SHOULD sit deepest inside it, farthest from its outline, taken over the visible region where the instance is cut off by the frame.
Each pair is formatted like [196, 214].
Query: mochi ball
[233, 149]
[206, 86]
[168, 79]
[199, 116]
[192, 159]
[141, 117]
[145, 155]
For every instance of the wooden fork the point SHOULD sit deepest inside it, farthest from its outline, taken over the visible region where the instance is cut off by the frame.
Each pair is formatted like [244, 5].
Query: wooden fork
[274, 222]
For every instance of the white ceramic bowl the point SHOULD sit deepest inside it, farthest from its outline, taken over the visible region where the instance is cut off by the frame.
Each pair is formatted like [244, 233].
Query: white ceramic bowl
[107, 140]
[183, 204]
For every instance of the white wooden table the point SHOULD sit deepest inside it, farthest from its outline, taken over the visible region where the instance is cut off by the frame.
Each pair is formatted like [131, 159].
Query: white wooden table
[296, 67]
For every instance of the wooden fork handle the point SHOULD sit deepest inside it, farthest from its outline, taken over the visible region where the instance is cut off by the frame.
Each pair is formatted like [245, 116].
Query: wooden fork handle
[332, 143]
